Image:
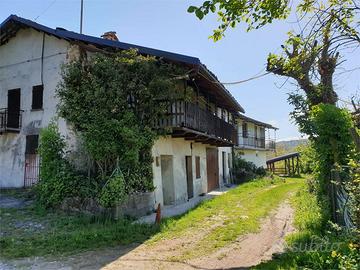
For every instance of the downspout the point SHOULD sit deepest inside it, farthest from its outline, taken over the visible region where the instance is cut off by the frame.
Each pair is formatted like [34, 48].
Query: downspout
[42, 60]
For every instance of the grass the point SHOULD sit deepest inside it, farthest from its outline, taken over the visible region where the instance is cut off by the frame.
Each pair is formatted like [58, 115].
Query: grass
[313, 230]
[29, 232]
[223, 219]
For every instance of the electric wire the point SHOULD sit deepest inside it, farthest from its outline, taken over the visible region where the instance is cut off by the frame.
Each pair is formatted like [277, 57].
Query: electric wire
[33, 59]
[45, 10]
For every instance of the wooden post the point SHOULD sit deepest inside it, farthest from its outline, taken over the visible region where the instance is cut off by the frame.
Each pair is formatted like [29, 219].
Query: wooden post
[158, 215]
[297, 165]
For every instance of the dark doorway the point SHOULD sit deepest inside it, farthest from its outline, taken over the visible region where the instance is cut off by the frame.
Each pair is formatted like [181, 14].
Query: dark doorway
[212, 168]
[13, 107]
[224, 166]
[189, 177]
[32, 161]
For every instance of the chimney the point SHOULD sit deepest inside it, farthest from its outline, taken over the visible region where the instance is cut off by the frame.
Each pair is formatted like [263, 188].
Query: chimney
[111, 35]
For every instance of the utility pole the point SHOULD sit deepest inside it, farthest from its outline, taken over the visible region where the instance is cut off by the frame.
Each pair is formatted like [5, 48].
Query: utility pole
[81, 16]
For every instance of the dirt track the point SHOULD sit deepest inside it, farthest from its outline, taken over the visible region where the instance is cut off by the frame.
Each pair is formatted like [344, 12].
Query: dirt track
[248, 250]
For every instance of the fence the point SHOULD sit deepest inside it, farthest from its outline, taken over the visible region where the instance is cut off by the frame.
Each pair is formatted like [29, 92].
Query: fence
[340, 200]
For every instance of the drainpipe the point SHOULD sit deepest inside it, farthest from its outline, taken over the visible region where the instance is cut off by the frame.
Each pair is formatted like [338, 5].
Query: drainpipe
[42, 60]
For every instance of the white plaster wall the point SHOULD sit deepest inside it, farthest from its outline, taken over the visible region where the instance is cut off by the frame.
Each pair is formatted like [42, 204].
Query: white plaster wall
[179, 148]
[24, 46]
[258, 157]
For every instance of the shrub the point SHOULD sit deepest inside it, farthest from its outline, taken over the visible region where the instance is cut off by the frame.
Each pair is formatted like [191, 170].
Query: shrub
[58, 178]
[307, 157]
[245, 170]
[113, 191]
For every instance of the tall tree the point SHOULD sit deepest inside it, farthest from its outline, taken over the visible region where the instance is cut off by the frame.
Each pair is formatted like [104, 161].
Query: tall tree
[309, 57]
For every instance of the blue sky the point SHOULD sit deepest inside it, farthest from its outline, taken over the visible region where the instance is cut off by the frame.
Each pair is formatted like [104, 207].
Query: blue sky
[165, 24]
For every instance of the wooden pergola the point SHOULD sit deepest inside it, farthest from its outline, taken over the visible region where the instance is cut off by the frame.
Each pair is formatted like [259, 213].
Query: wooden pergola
[285, 165]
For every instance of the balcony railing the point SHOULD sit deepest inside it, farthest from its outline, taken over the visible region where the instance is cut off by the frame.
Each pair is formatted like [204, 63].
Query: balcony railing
[256, 142]
[189, 115]
[10, 121]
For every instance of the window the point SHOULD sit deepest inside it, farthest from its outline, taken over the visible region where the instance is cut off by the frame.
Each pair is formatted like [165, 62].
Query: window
[37, 97]
[32, 143]
[244, 130]
[262, 133]
[197, 166]
[13, 117]
[223, 114]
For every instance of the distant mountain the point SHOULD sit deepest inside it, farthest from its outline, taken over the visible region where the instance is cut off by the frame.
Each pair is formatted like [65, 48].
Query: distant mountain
[289, 146]
[286, 147]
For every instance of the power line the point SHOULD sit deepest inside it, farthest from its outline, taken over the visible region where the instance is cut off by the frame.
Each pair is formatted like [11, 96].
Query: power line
[236, 82]
[33, 59]
[46, 9]
[246, 80]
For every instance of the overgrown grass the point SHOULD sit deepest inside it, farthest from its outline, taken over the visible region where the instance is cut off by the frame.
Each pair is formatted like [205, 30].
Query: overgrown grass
[317, 244]
[30, 232]
[225, 218]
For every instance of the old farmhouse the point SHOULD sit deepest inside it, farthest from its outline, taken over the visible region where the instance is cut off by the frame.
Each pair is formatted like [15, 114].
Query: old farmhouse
[195, 157]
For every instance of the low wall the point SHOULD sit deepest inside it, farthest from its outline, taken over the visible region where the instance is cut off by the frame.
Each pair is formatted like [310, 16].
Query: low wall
[135, 205]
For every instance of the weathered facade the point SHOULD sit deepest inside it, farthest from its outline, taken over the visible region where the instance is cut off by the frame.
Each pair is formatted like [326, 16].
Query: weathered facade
[193, 159]
[254, 140]
[22, 69]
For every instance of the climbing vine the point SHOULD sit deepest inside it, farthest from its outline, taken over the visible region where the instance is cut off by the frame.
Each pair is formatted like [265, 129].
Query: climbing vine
[331, 139]
[112, 103]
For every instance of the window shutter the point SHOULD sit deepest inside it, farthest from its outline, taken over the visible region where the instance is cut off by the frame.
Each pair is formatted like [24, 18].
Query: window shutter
[197, 166]
[37, 97]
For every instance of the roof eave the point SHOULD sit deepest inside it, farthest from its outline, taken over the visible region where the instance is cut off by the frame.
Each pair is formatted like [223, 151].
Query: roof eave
[221, 86]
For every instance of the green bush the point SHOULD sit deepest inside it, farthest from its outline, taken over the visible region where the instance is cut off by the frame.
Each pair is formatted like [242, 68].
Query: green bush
[245, 170]
[307, 157]
[113, 191]
[57, 178]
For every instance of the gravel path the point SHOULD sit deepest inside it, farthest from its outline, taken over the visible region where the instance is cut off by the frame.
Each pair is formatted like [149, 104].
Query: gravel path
[11, 202]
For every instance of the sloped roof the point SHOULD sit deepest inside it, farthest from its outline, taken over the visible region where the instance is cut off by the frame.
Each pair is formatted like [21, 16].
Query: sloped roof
[280, 158]
[13, 23]
[251, 120]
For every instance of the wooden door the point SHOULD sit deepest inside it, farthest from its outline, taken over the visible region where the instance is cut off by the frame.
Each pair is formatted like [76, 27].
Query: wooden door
[167, 177]
[13, 120]
[189, 177]
[212, 168]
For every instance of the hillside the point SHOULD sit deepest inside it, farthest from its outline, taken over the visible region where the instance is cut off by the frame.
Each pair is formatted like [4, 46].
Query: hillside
[285, 147]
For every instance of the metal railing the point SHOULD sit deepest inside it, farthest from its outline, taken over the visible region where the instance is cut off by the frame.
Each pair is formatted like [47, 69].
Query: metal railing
[10, 121]
[189, 115]
[255, 142]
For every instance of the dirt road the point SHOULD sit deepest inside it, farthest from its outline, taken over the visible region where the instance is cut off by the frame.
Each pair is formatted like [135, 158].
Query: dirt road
[247, 251]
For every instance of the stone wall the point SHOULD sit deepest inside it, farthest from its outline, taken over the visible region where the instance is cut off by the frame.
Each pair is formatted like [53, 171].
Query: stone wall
[136, 205]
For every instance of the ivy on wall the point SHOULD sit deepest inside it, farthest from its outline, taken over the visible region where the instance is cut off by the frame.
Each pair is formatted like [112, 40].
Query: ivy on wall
[112, 102]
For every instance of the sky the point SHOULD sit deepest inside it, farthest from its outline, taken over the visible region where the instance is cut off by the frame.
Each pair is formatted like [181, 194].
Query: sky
[166, 25]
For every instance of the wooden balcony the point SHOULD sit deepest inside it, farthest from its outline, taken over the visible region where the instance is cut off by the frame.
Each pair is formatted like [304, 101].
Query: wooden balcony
[10, 121]
[254, 142]
[191, 122]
